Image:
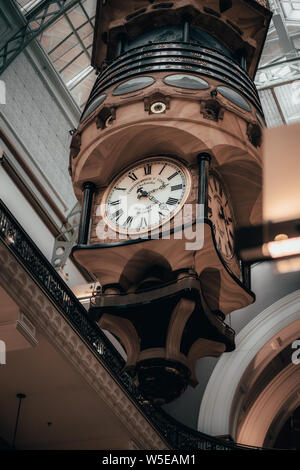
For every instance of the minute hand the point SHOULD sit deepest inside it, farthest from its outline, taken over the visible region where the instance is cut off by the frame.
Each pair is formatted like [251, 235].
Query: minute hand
[163, 186]
[153, 199]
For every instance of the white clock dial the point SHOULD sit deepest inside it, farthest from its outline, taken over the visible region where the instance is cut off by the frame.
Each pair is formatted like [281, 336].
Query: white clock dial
[221, 215]
[146, 195]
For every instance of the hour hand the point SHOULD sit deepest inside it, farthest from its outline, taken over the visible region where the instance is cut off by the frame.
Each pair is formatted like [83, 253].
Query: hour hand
[153, 199]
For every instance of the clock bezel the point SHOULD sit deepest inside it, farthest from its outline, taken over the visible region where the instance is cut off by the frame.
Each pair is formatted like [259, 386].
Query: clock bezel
[226, 259]
[163, 157]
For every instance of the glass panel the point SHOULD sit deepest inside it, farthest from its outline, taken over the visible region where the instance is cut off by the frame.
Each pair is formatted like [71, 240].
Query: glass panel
[289, 100]
[235, 97]
[260, 120]
[133, 85]
[68, 43]
[93, 106]
[186, 81]
[270, 108]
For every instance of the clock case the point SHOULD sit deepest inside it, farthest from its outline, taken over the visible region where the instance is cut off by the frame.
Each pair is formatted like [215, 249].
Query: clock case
[167, 305]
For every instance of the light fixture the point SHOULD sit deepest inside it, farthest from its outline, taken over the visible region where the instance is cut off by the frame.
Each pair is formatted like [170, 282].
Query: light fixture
[278, 237]
[282, 248]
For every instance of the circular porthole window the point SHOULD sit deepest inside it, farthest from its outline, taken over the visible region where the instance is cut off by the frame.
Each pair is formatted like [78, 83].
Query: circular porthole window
[158, 107]
[234, 97]
[133, 85]
[186, 81]
[93, 106]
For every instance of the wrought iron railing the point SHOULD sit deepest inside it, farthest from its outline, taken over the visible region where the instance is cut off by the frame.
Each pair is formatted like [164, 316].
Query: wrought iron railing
[176, 435]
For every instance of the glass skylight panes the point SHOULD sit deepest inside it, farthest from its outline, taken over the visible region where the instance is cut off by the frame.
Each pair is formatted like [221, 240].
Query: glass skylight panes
[270, 108]
[289, 100]
[68, 43]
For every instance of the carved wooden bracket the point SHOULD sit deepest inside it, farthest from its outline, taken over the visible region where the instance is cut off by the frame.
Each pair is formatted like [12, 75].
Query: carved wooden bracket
[254, 134]
[106, 116]
[157, 103]
[211, 109]
[75, 145]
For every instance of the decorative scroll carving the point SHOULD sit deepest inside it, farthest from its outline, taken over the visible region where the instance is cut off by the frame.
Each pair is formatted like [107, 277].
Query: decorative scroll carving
[254, 134]
[211, 109]
[161, 101]
[105, 117]
[75, 145]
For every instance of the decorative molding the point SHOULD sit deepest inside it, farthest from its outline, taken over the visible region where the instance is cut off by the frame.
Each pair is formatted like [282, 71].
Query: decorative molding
[269, 404]
[159, 99]
[37, 306]
[254, 134]
[106, 116]
[211, 109]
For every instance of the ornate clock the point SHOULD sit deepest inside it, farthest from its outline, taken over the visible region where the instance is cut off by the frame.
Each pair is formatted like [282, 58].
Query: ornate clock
[171, 89]
[146, 195]
[221, 214]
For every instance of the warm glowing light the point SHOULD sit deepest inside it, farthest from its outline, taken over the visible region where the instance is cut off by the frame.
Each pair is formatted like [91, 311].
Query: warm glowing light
[283, 247]
[280, 236]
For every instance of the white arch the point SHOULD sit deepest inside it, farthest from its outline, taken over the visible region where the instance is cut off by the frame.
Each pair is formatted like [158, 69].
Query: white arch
[2, 352]
[216, 406]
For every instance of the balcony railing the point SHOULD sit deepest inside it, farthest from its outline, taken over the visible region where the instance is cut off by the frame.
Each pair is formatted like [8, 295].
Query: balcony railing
[42, 272]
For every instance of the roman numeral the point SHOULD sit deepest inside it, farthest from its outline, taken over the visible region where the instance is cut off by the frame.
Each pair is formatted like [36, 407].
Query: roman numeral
[132, 176]
[143, 222]
[115, 203]
[162, 169]
[147, 169]
[176, 187]
[172, 201]
[173, 176]
[116, 215]
[128, 221]
[120, 189]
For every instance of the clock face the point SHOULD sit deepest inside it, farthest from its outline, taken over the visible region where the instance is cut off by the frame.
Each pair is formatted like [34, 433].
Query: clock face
[221, 215]
[146, 195]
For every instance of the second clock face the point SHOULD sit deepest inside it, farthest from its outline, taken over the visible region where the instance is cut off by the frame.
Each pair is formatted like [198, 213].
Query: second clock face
[221, 215]
[146, 195]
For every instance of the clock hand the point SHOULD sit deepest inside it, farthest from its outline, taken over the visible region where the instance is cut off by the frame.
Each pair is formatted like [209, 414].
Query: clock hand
[153, 199]
[163, 186]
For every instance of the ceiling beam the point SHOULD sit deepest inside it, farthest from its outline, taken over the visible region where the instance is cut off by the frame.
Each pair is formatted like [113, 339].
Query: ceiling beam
[35, 22]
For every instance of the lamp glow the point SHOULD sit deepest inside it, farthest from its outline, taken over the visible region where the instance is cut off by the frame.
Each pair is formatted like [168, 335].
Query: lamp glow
[281, 248]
